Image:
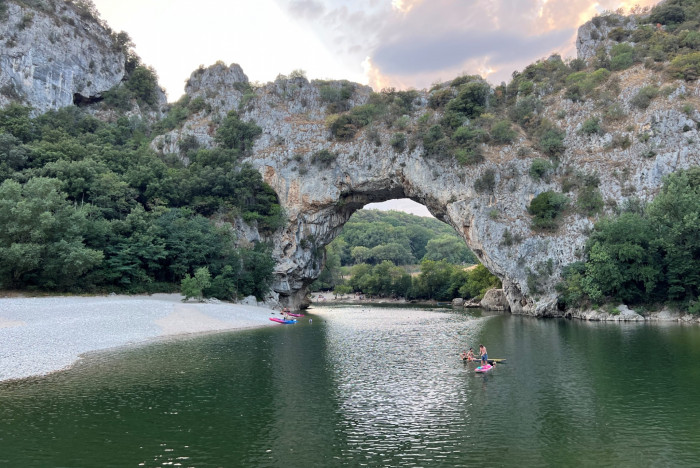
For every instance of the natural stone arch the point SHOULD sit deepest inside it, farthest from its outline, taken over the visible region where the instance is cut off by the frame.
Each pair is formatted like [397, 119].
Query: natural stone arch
[319, 202]
[319, 194]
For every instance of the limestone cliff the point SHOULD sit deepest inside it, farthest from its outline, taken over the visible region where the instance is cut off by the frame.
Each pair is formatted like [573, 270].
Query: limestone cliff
[53, 56]
[319, 197]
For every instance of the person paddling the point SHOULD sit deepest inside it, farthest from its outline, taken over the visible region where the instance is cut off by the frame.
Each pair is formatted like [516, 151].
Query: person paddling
[484, 355]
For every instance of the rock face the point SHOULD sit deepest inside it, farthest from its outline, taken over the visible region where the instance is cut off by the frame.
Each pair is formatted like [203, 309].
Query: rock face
[495, 299]
[56, 56]
[597, 33]
[319, 197]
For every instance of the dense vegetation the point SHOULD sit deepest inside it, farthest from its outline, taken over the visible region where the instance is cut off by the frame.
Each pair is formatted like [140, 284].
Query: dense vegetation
[645, 255]
[377, 251]
[88, 206]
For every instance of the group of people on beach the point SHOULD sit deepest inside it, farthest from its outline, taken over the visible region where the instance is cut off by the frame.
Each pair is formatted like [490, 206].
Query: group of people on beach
[469, 355]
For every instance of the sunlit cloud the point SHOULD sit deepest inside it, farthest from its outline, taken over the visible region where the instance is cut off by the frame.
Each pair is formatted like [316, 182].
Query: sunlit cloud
[386, 43]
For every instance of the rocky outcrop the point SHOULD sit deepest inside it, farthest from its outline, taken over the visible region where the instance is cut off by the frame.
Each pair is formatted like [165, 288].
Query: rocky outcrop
[495, 299]
[622, 313]
[603, 31]
[55, 56]
[224, 89]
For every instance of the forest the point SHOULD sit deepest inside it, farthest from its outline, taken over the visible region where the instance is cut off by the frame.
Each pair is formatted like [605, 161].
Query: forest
[88, 206]
[395, 254]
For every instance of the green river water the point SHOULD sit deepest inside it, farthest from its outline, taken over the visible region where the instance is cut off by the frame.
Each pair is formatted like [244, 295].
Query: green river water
[375, 386]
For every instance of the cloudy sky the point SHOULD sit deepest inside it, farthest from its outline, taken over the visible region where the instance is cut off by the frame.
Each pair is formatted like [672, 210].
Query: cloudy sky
[401, 43]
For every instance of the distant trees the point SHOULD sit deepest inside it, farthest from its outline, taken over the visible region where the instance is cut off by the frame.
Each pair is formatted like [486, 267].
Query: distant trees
[380, 246]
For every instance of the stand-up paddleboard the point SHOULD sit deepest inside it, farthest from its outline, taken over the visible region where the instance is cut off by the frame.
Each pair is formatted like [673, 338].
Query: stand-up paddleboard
[279, 320]
[484, 368]
[295, 315]
[490, 361]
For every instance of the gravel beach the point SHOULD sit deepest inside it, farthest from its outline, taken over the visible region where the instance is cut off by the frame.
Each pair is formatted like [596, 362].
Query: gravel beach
[43, 335]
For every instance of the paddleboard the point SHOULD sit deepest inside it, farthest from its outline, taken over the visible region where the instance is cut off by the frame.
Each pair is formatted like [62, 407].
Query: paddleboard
[490, 361]
[485, 368]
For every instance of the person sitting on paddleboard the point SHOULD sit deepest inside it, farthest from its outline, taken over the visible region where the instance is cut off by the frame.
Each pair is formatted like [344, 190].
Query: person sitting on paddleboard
[484, 355]
[470, 355]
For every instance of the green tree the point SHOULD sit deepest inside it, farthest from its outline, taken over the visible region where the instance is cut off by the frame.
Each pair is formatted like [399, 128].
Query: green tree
[233, 133]
[41, 236]
[193, 286]
[449, 248]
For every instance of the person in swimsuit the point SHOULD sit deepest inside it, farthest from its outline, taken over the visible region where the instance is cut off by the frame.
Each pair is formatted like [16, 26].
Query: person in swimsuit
[484, 355]
[470, 355]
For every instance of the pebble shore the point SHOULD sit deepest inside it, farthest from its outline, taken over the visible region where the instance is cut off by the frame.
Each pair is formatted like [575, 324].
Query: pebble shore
[43, 335]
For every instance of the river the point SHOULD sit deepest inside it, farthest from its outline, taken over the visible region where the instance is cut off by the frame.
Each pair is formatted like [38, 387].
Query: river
[361, 386]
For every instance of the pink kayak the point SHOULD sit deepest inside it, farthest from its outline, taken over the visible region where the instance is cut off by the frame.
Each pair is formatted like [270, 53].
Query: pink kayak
[295, 315]
[484, 368]
[279, 320]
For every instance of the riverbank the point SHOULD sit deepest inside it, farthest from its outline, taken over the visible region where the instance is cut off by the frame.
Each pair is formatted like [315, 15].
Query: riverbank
[619, 313]
[47, 334]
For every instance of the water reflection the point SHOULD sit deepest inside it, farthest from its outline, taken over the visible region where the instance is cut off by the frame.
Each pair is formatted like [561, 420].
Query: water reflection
[382, 387]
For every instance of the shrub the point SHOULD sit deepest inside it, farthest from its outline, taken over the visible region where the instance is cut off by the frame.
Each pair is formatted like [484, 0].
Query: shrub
[487, 181]
[435, 143]
[439, 98]
[618, 34]
[620, 141]
[591, 126]
[502, 132]
[469, 156]
[193, 286]
[526, 88]
[621, 57]
[644, 96]
[143, 84]
[525, 110]
[686, 66]
[471, 100]
[398, 142]
[590, 201]
[402, 122]
[233, 133]
[667, 13]
[614, 112]
[467, 134]
[540, 169]
[342, 126]
[323, 158]
[551, 139]
[345, 126]
[546, 209]
[336, 95]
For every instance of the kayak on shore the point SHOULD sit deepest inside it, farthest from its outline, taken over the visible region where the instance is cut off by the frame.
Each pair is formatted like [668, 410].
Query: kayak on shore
[279, 320]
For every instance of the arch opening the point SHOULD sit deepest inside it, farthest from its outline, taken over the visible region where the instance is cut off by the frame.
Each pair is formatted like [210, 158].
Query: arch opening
[313, 232]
